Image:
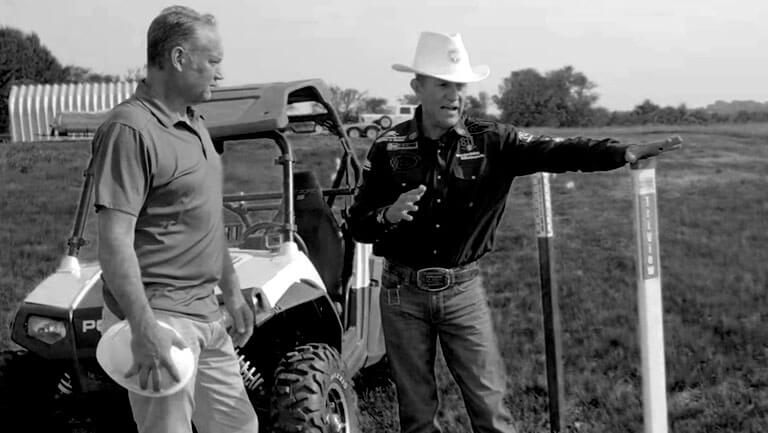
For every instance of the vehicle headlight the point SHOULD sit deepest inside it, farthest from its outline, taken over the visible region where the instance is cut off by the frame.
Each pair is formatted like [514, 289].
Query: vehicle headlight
[46, 329]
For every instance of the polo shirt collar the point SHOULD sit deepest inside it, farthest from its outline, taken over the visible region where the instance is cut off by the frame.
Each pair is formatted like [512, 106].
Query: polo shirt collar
[160, 111]
[415, 129]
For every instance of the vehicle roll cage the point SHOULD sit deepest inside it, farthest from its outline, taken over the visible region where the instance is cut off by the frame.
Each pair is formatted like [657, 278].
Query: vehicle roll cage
[257, 111]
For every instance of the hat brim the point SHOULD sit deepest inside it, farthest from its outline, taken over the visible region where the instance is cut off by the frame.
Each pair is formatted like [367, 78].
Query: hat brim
[114, 355]
[478, 73]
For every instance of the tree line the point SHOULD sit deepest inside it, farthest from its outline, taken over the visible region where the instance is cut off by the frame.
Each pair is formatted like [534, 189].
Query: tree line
[560, 98]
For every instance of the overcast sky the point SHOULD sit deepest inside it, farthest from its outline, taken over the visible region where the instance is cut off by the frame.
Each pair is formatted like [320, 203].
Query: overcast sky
[669, 51]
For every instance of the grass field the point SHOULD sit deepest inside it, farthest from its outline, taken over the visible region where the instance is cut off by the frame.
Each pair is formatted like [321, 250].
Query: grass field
[713, 218]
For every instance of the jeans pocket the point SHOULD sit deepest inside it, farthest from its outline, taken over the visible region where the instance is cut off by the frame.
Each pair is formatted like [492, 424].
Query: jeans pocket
[393, 296]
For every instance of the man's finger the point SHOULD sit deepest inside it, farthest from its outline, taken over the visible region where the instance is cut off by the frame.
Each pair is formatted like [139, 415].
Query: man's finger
[239, 323]
[156, 377]
[168, 364]
[416, 192]
[670, 143]
[143, 377]
[409, 198]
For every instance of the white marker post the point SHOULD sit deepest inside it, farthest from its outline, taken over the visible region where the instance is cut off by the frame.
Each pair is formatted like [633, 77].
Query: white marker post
[542, 204]
[649, 297]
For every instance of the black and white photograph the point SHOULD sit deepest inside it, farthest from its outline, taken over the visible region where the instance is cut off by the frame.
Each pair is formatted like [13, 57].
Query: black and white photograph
[359, 216]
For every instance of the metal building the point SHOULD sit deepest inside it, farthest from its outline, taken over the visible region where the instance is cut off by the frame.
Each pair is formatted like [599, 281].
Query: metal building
[33, 107]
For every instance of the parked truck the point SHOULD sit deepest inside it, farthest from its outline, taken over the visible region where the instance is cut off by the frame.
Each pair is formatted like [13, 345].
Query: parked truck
[396, 115]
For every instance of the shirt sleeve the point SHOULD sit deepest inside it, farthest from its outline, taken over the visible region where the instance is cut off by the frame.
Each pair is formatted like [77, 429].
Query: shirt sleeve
[530, 153]
[121, 167]
[372, 198]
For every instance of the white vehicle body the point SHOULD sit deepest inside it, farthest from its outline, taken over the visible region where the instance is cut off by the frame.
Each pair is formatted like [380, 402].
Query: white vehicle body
[399, 113]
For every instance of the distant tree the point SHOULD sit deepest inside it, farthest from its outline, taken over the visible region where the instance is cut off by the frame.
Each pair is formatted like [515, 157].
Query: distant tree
[374, 105]
[571, 96]
[23, 60]
[563, 97]
[477, 106]
[136, 74]
[667, 115]
[524, 99]
[645, 112]
[409, 99]
[599, 116]
[79, 74]
[742, 116]
[347, 102]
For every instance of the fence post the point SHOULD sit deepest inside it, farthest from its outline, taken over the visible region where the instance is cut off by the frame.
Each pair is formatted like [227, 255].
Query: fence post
[549, 299]
[651, 323]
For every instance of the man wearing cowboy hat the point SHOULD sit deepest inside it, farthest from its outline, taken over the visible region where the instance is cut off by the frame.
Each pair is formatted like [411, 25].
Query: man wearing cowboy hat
[434, 189]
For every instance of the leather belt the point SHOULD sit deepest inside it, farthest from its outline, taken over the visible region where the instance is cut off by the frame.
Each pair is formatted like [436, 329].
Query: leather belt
[434, 279]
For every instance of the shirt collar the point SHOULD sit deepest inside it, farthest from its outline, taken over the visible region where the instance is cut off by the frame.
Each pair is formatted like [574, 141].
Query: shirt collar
[414, 126]
[160, 111]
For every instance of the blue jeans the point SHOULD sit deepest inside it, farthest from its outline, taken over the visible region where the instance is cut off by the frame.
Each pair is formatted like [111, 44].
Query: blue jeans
[214, 400]
[413, 321]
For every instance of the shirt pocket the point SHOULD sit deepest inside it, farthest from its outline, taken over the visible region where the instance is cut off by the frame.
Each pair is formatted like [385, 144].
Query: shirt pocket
[468, 167]
[407, 169]
[467, 171]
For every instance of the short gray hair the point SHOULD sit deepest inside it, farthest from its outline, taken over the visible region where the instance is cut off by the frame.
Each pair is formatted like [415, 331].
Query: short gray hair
[175, 26]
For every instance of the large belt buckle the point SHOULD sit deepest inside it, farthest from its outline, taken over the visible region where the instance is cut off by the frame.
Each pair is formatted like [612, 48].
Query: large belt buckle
[434, 279]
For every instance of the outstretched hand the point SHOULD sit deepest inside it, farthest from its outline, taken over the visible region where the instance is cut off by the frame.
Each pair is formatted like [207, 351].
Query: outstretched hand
[636, 152]
[405, 204]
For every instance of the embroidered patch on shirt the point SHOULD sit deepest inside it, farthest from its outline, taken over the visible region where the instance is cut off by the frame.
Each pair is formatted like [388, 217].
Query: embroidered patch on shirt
[404, 161]
[469, 156]
[525, 137]
[397, 145]
[466, 145]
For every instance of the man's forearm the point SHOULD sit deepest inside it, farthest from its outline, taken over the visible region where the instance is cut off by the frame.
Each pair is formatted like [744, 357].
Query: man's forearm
[120, 268]
[229, 282]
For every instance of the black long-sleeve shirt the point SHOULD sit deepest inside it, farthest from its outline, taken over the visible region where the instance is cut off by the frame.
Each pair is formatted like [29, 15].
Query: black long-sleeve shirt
[468, 173]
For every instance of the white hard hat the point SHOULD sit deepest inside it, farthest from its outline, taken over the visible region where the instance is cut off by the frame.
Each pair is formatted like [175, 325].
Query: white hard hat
[115, 356]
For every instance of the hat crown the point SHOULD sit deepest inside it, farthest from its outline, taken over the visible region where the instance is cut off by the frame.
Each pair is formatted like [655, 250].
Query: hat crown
[441, 53]
[443, 56]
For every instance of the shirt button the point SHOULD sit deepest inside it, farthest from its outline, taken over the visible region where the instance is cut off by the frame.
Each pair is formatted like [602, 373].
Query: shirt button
[470, 204]
[437, 226]
[403, 184]
[438, 200]
[439, 177]
[434, 252]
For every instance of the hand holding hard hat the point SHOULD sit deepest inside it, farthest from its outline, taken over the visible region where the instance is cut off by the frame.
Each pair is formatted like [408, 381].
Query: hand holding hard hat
[167, 376]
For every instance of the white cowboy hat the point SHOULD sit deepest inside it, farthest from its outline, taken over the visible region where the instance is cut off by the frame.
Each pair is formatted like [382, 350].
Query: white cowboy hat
[114, 355]
[444, 56]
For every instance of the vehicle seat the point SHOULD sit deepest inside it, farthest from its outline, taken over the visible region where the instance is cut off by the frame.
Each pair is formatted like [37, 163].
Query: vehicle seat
[319, 229]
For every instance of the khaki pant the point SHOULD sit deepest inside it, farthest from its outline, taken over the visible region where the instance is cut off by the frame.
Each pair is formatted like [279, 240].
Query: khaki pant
[214, 399]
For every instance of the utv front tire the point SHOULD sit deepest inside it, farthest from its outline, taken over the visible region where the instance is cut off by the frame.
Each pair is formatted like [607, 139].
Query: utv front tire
[28, 393]
[312, 393]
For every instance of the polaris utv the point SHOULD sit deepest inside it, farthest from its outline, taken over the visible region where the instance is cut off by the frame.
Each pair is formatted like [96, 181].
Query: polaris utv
[314, 288]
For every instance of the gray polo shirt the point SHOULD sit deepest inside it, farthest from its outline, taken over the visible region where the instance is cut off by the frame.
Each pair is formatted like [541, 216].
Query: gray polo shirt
[164, 170]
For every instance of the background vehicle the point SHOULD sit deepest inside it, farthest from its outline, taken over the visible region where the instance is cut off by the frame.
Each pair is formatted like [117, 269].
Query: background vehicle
[362, 129]
[316, 290]
[398, 114]
[77, 123]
